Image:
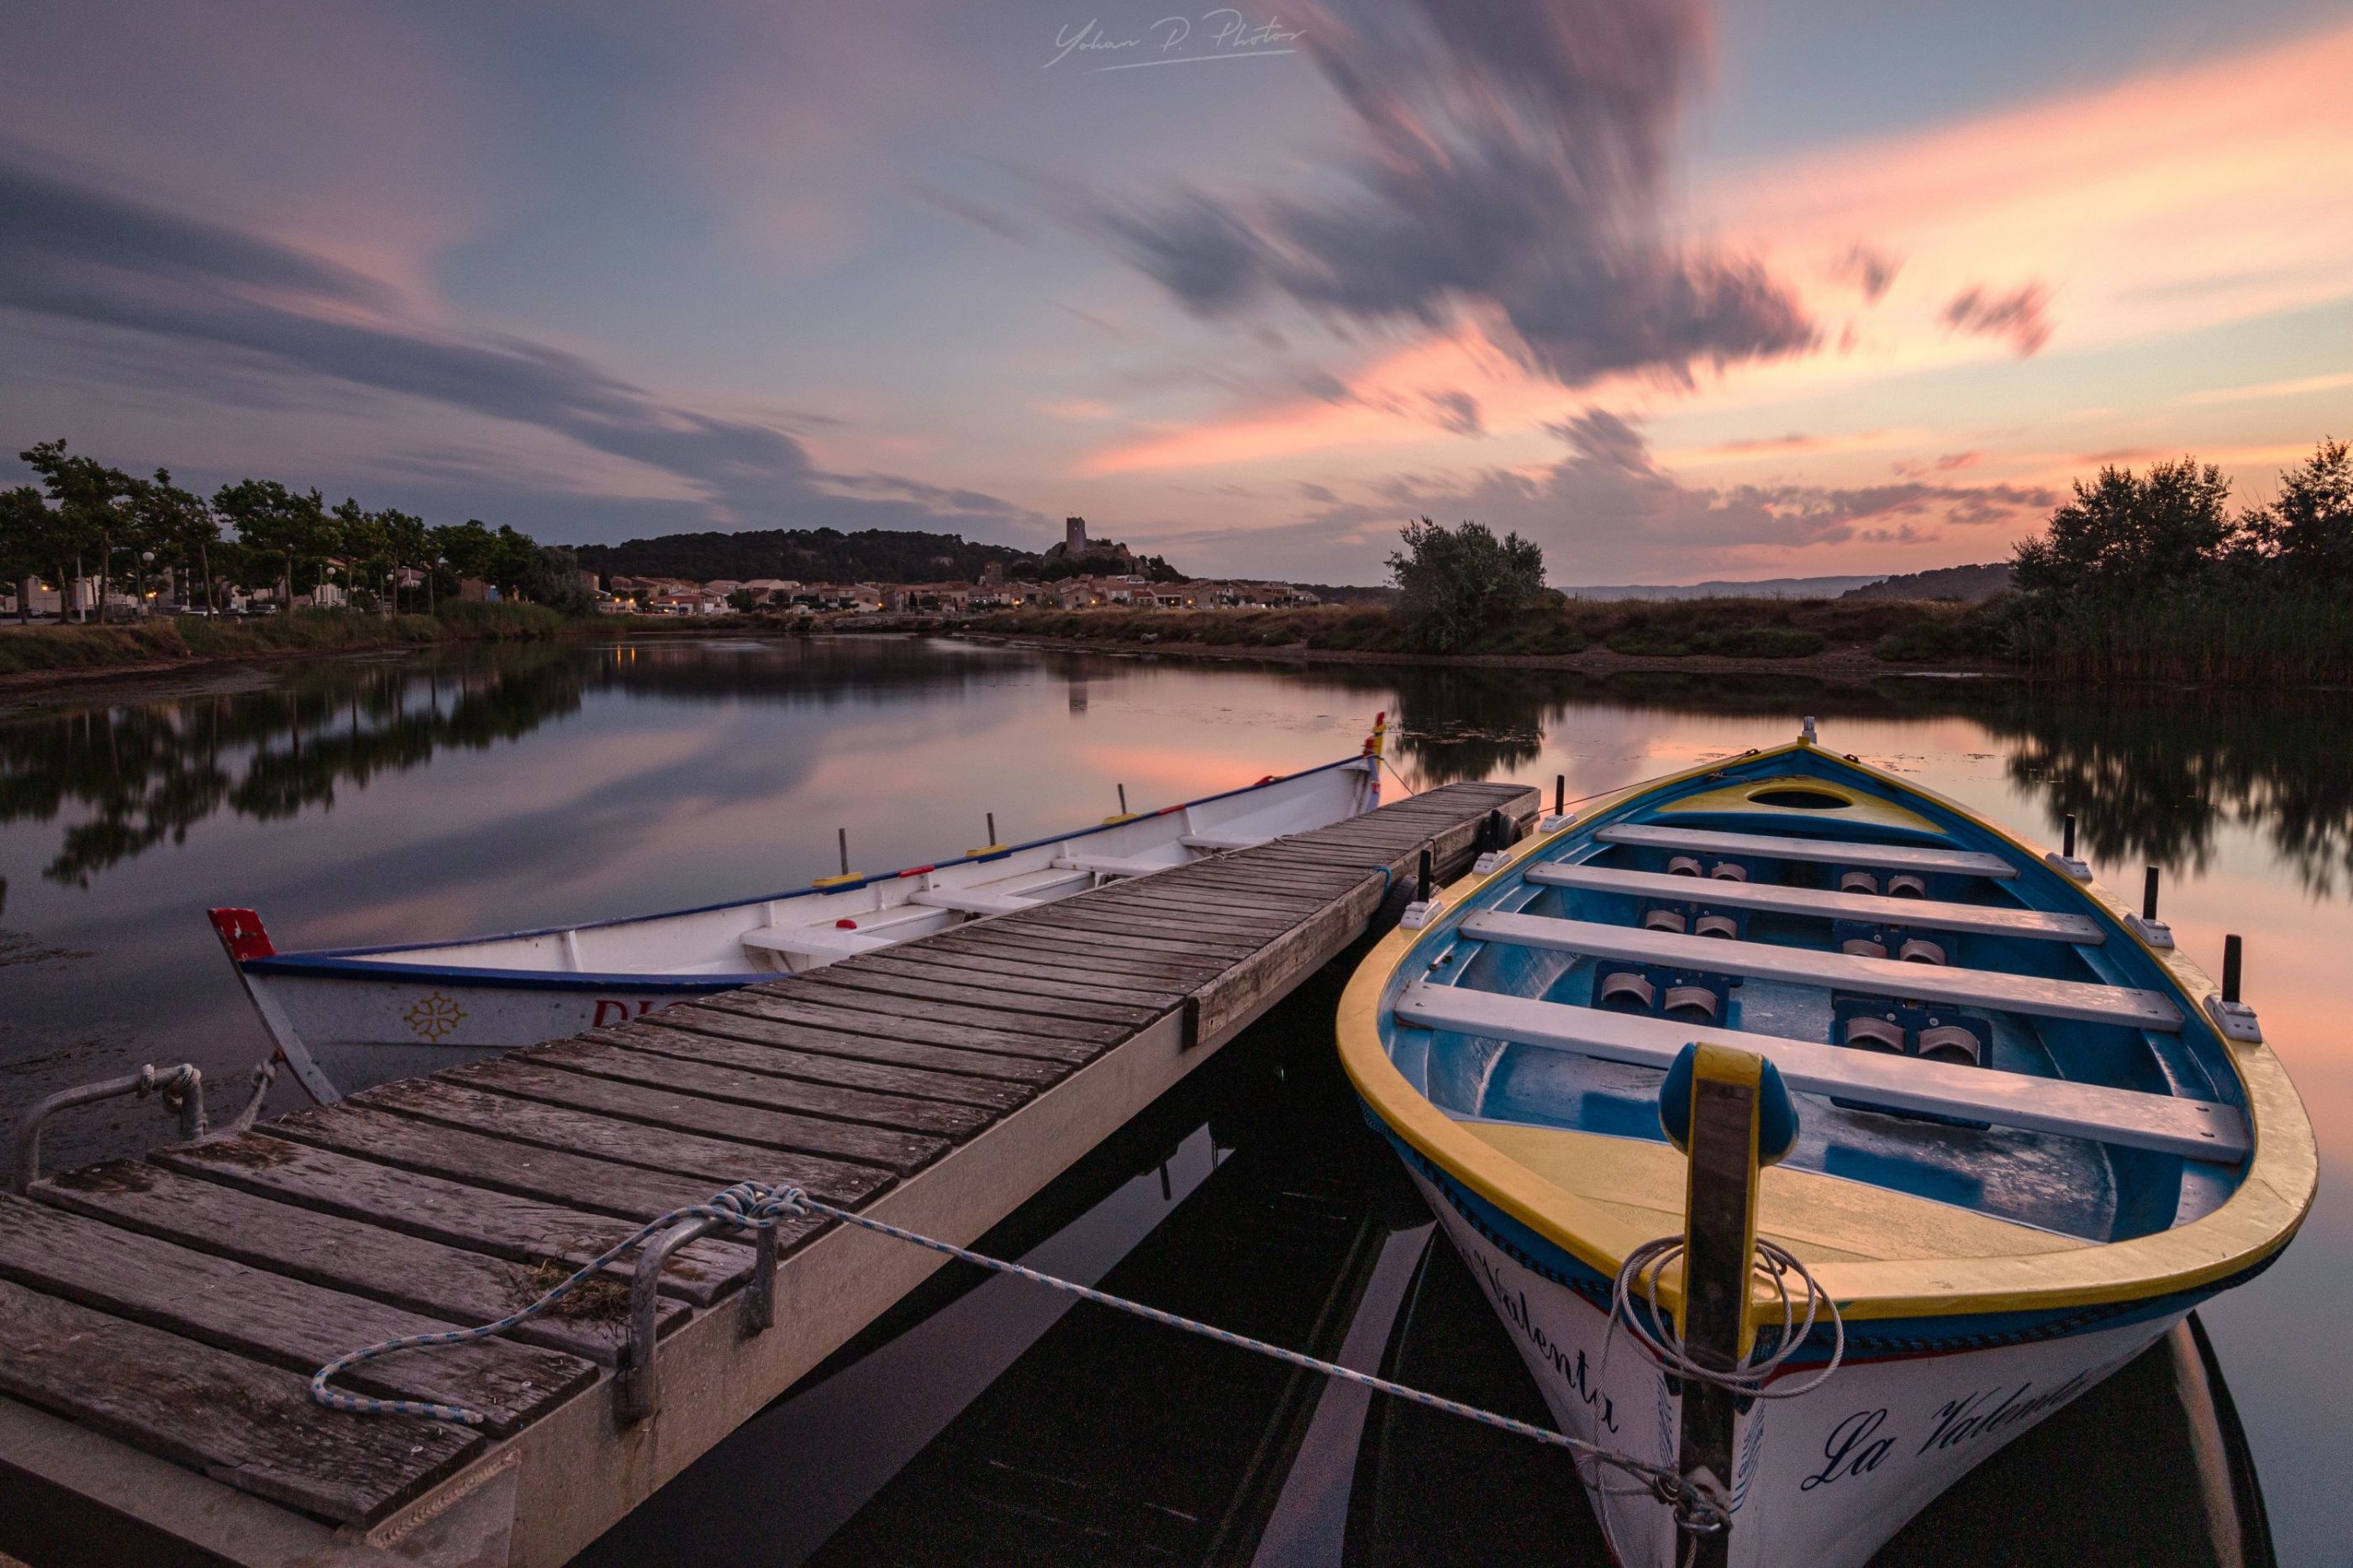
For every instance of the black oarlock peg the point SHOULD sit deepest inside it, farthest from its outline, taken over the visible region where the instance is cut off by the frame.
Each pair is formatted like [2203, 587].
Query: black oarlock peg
[1421, 884]
[2067, 837]
[1560, 794]
[1122, 800]
[2232, 952]
[845, 850]
[2148, 894]
[992, 827]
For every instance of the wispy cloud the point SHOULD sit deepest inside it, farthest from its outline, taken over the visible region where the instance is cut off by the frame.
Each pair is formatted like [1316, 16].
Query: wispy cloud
[1511, 157]
[2021, 316]
[81, 254]
[2263, 391]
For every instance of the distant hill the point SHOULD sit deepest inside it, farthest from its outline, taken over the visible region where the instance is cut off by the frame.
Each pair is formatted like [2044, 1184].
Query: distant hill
[806, 555]
[1766, 588]
[1966, 582]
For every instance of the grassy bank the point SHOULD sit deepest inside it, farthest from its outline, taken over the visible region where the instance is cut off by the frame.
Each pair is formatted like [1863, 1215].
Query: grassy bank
[1730, 628]
[187, 639]
[2212, 633]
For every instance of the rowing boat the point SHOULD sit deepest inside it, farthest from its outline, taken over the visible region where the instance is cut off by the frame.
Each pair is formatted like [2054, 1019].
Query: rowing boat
[345, 1018]
[2019, 1135]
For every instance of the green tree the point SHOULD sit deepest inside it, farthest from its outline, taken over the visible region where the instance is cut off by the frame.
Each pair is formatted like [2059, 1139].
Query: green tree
[89, 497]
[407, 544]
[2124, 533]
[26, 526]
[1458, 583]
[2309, 528]
[363, 540]
[273, 521]
[178, 526]
[555, 579]
[467, 548]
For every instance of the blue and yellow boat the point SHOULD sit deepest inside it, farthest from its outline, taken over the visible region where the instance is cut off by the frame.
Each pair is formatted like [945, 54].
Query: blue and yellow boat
[2028, 1135]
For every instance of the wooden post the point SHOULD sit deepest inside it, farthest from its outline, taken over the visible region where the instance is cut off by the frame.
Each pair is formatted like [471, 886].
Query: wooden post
[1734, 1118]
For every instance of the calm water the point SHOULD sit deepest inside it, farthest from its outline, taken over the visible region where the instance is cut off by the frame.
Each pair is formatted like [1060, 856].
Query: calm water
[366, 801]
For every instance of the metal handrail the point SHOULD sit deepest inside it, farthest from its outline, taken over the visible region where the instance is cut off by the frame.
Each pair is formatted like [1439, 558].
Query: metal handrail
[183, 1091]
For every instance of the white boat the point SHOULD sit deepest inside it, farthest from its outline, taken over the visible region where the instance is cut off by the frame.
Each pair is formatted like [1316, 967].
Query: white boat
[2019, 1135]
[345, 1018]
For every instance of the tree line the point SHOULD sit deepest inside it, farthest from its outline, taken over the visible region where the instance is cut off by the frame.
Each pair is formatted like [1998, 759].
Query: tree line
[87, 519]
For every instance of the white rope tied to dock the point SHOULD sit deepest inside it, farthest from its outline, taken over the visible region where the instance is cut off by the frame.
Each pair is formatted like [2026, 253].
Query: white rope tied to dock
[1699, 1509]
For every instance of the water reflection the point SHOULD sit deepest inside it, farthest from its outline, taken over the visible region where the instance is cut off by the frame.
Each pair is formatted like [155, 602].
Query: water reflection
[2152, 776]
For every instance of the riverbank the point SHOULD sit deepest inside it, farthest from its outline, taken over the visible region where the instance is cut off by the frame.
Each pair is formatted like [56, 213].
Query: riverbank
[32, 657]
[1829, 639]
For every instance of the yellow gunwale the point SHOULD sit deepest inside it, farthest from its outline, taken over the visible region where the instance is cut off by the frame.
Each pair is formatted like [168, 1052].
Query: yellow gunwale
[2258, 1219]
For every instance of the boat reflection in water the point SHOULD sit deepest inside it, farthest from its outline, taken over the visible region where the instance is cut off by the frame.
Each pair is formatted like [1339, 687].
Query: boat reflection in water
[988, 1420]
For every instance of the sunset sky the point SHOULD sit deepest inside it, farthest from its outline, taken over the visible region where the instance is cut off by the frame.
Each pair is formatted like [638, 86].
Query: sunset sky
[1680, 290]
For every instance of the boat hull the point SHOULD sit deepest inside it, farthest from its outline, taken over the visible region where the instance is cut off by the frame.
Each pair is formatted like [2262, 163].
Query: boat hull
[1825, 1478]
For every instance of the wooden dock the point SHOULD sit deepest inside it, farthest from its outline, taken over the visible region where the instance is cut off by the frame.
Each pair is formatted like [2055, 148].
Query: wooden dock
[158, 1319]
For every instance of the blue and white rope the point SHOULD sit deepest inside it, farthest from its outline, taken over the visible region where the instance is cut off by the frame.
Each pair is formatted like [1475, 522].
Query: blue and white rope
[757, 1206]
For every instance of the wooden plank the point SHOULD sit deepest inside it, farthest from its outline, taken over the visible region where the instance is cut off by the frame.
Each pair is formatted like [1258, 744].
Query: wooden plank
[520, 1231]
[521, 1169]
[853, 1017]
[713, 1081]
[1170, 906]
[1072, 939]
[345, 1255]
[270, 1318]
[249, 1425]
[2030, 994]
[641, 1087]
[661, 1036]
[2197, 1128]
[1984, 920]
[1013, 943]
[717, 1160]
[1005, 977]
[1248, 895]
[894, 1149]
[973, 992]
[1824, 851]
[1241, 990]
[1165, 924]
[756, 1030]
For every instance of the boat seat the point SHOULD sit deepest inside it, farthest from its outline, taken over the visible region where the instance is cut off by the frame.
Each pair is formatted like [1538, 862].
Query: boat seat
[1114, 865]
[2028, 994]
[825, 942]
[2168, 1125]
[1825, 851]
[1216, 841]
[972, 901]
[1983, 919]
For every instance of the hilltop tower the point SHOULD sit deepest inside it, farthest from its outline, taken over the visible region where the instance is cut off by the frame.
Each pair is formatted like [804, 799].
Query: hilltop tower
[1074, 535]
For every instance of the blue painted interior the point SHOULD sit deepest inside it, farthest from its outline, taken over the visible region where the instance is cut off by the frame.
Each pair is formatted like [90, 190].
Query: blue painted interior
[2069, 1185]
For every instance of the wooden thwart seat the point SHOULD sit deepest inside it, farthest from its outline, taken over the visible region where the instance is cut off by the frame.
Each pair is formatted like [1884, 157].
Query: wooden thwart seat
[971, 902]
[2198, 1130]
[2028, 994]
[1824, 851]
[815, 940]
[1114, 865]
[1982, 919]
[1220, 841]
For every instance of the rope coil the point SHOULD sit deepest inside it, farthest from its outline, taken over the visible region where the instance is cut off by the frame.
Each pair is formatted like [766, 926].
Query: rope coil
[1699, 1507]
[1646, 1263]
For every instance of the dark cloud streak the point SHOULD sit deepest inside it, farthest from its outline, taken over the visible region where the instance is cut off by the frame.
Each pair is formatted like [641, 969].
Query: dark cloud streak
[1514, 157]
[81, 255]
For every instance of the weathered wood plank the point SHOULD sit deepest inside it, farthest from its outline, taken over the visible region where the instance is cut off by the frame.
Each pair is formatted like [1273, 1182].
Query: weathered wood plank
[768, 1092]
[953, 985]
[1071, 941]
[1165, 914]
[979, 1013]
[250, 1426]
[718, 1160]
[986, 940]
[756, 1030]
[521, 1169]
[270, 1318]
[1046, 982]
[1203, 892]
[500, 1224]
[1235, 994]
[661, 1036]
[345, 1254]
[893, 1149]
[788, 1008]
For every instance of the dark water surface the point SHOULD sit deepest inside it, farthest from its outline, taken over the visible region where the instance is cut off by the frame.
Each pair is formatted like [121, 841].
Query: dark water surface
[358, 801]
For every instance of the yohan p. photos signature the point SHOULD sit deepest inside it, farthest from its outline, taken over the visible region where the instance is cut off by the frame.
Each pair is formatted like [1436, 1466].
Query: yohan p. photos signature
[1224, 34]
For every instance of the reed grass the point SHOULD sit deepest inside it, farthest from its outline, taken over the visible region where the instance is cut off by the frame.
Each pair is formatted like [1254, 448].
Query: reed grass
[177, 640]
[2224, 633]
